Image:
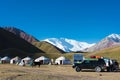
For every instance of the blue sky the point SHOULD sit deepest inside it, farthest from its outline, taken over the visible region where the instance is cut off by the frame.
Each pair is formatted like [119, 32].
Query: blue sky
[83, 20]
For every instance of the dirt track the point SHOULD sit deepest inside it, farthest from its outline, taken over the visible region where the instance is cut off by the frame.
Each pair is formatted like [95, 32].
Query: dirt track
[52, 72]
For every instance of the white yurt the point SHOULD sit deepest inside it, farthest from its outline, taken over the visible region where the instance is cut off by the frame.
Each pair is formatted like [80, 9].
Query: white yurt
[15, 60]
[5, 59]
[43, 60]
[62, 60]
[27, 60]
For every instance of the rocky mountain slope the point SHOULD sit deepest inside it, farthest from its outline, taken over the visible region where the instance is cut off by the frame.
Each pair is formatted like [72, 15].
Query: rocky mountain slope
[109, 41]
[10, 41]
[44, 46]
[21, 34]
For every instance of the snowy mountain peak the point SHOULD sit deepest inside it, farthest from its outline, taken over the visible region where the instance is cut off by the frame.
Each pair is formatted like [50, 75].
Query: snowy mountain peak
[109, 41]
[115, 36]
[68, 45]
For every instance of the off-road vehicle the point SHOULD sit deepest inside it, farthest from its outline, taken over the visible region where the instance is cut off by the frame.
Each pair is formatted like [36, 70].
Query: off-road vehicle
[97, 64]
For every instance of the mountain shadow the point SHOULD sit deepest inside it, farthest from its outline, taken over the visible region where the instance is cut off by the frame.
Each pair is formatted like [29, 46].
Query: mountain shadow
[21, 34]
[9, 41]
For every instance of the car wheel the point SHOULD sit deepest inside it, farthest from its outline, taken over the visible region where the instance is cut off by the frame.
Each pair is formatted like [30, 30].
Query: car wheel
[98, 69]
[78, 69]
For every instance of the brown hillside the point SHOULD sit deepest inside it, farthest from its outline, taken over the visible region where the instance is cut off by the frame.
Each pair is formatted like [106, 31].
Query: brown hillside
[9, 40]
[113, 53]
[47, 47]
[21, 34]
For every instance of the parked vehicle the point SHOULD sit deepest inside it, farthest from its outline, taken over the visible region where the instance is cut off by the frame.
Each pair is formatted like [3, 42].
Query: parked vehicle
[115, 65]
[97, 64]
[112, 65]
[101, 64]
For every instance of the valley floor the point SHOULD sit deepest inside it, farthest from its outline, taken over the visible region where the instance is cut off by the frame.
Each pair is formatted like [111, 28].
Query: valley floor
[52, 72]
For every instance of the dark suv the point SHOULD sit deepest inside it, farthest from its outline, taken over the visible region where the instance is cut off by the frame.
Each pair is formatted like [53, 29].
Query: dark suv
[97, 64]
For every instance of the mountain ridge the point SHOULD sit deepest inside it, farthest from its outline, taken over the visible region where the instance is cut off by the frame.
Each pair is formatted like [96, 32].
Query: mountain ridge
[9, 41]
[68, 45]
[44, 46]
[48, 47]
[21, 34]
[109, 41]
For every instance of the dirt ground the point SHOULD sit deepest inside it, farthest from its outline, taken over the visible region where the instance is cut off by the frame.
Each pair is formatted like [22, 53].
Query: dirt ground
[52, 72]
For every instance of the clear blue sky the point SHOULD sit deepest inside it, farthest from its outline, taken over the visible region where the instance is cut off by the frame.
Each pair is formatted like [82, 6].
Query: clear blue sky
[83, 20]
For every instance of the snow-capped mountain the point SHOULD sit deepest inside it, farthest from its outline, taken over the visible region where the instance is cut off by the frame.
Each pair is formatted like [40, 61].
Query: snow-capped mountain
[114, 37]
[69, 45]
[109, 41]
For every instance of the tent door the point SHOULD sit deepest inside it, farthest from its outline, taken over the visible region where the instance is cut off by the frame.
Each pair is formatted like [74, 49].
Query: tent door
[41, 62]
[61, 62]
[13, 61]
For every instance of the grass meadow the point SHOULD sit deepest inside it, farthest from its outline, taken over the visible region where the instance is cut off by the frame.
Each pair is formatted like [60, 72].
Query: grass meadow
[52, 72]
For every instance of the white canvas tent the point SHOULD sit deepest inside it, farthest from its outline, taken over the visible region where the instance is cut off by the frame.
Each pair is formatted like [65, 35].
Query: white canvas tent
[15, 60]
[5, 59]
[62, 60]
[27, 60]
[43, 60]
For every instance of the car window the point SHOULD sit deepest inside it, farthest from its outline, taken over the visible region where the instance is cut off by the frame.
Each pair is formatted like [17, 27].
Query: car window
[101, 61]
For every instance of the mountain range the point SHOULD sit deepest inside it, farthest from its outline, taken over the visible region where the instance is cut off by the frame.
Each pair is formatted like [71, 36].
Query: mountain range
[69, 45]
[13, 44]
[62, 45]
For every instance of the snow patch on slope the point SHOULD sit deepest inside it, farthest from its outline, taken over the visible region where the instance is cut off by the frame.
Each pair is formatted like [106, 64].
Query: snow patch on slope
[69, 45]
